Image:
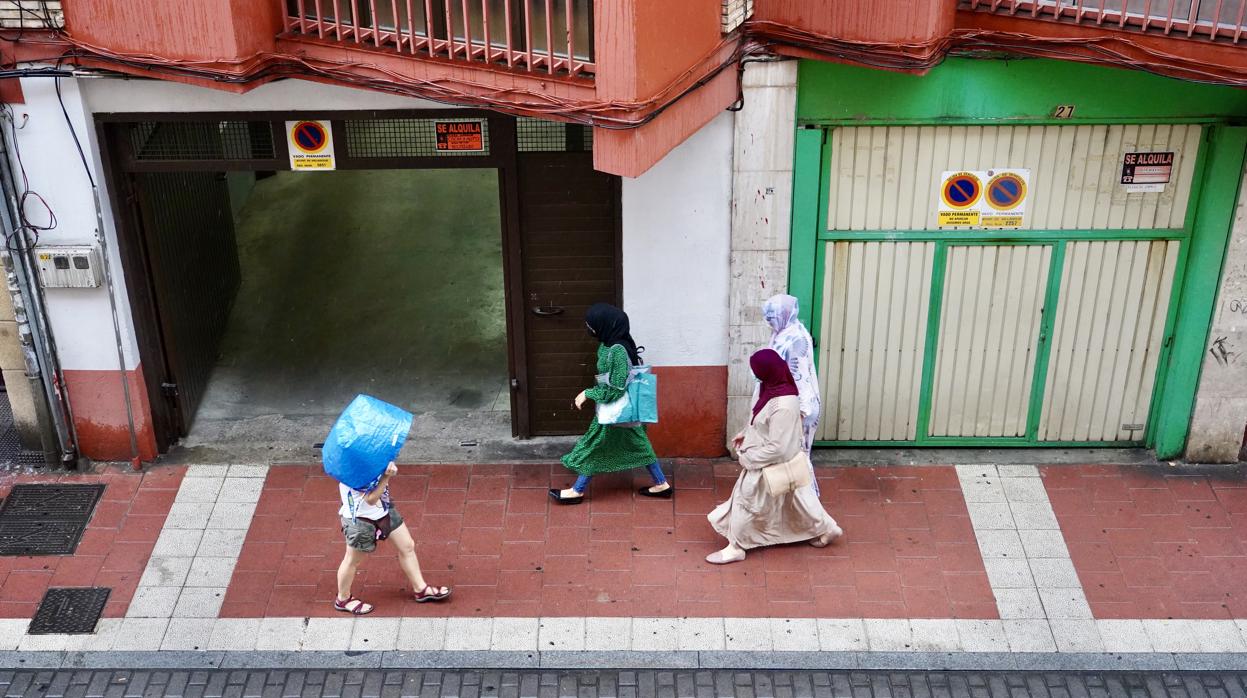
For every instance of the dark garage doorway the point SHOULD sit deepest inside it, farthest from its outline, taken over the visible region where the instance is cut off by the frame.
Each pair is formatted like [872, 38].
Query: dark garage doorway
[453, 285]
[388, 282]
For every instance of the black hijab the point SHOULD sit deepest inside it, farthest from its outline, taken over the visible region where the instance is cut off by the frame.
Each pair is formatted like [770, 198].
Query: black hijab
[610, 325]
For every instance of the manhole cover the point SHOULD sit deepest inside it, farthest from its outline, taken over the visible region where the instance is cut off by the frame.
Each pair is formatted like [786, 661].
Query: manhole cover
[46, 519]
[69, 611]
[51, 502]
[39, 537]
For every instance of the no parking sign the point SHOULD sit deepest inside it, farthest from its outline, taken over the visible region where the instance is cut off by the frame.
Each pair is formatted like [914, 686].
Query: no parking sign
[311, 145]
[993, 198]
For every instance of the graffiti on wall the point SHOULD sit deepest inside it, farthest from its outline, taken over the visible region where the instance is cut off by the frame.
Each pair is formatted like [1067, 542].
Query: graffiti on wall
[1221, 351]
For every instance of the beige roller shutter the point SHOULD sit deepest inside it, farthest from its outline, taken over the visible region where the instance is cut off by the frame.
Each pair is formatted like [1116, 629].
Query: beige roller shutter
[888, 177]
[989, 339]
[874, 323]
[1107, 339]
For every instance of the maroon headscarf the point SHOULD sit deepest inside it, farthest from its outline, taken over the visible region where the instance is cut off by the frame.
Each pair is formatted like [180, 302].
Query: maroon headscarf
[770, 368]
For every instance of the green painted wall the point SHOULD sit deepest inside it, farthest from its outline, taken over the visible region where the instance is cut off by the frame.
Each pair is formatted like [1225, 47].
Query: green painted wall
[1205, 260]
[1026, 89]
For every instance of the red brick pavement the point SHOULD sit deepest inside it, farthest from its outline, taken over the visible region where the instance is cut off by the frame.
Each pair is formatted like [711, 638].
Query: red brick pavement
[1154, 544]
[492, 533]
[114, 549]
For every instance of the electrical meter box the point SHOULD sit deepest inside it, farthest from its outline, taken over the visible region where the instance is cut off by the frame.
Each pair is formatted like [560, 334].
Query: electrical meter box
[69, 267]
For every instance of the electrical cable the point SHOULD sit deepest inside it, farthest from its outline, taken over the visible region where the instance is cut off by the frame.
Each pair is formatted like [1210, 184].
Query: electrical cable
[135, 459]
[20, 248]
[757, 38]
[73, 131]
[268, 66]
[26, 195]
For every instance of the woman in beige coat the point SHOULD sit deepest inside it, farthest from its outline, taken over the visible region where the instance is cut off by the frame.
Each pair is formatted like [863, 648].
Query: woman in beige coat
[753, 517]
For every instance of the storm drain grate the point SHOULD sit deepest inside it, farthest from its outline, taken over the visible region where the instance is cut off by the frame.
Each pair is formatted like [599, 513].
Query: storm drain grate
[46, 519]
[11, 451]
[69, 611]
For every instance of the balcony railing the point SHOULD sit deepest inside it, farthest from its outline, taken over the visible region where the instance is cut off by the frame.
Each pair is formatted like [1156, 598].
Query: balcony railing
[554, 37]
[1220, 20]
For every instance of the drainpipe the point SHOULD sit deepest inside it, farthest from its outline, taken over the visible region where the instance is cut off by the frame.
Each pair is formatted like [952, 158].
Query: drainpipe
[136, 463]
[34, 330]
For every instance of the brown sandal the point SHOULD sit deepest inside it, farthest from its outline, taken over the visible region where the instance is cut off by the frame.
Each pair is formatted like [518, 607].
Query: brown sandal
[430, 593]
[353, 606]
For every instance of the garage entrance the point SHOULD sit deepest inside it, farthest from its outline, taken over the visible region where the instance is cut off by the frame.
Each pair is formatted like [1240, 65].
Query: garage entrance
[1055, 332]
[452, 284]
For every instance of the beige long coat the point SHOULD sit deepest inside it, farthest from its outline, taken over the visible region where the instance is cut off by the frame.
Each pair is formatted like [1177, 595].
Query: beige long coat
[753, 518]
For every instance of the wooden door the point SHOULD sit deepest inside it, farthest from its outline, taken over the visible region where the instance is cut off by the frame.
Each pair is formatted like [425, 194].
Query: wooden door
[188, 235]
[569, 231]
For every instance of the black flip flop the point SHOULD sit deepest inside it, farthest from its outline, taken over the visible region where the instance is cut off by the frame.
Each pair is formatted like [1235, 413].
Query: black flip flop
[557, 496]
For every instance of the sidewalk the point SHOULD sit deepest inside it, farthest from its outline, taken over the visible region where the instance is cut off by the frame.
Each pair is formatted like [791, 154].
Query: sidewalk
[1089, 562]
[493, 534]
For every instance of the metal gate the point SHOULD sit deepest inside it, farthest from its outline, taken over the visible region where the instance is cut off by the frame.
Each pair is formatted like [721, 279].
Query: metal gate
[1054, 334]
[570, 217]
[188, 232]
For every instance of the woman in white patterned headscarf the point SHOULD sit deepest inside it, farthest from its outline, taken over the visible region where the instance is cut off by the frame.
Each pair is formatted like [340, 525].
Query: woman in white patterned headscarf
[793, 342]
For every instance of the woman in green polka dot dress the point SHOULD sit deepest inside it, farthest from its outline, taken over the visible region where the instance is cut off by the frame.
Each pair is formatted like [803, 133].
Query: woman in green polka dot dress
[606, 448]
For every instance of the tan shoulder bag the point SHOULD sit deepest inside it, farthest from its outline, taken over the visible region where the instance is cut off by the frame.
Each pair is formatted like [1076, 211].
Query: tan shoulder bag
[782, 478]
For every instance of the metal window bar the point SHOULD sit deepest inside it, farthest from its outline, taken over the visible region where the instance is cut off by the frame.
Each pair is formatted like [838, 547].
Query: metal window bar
[550, 36]
[506, 11]
[1214, 20]
[495, 32]
[397, 34]
[485, 29]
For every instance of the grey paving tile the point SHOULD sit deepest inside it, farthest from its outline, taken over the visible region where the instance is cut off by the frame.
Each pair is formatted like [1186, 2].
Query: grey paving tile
[1008, 574]
[199, 602]
[153, 602]
[1001, 543]
[210, 571]
[241, 489]
[220, 543]
[1044, 543]
[177, 542]
[199, 489]
[1034, 516]
[1065, 603]
[166, 572]
[1025, 490]
[189, 515]
[1054, 573]
[986, 516]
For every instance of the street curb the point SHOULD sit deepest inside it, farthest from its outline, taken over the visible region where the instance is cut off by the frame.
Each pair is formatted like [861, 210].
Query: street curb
[743, 660]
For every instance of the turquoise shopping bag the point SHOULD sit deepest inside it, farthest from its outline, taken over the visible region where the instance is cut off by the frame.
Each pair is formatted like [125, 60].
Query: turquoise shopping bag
[643, 395]
[639, 403]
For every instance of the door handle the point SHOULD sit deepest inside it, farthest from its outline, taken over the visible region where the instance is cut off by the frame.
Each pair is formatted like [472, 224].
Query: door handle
[549, 311]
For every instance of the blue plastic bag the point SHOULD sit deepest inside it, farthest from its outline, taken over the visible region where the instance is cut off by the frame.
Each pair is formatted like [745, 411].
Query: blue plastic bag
[364, 441]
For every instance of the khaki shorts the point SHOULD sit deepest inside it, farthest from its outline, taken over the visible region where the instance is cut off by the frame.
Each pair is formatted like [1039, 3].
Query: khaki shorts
[362, 534]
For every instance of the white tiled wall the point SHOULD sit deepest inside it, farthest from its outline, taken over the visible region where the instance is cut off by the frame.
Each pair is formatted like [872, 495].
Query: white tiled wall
[31, 14]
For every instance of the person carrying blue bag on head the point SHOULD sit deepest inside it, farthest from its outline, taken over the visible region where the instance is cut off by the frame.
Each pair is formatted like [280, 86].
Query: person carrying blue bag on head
[625, 398]
[359, 453]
